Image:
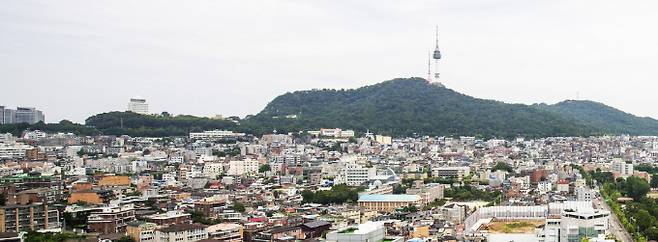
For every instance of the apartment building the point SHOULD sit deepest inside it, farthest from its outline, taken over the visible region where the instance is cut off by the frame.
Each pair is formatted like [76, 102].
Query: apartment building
[242, 167]
[141, 231]
[28, 216]
[111, 219]
[182, 233]
[226, 232]
[169, 218]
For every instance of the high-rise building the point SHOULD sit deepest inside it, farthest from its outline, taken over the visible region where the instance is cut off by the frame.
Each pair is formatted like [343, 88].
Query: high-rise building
[20, 115]
[138, 105]
[28, 115]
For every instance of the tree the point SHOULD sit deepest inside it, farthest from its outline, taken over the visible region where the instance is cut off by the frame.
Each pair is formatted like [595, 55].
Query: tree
[636, 187]
[652, 233]
[644, 219]
[264, 168]
[239, 207]
[503, 166]
[399, 189]
[654, 182]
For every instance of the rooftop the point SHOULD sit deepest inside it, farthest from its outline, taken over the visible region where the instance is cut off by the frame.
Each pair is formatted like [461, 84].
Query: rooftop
[388, 198]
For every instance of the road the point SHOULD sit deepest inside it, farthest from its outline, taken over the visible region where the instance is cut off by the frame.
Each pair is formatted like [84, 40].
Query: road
[615, 225]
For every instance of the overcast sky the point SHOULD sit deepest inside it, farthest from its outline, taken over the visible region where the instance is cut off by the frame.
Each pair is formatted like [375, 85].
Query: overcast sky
[73, 59]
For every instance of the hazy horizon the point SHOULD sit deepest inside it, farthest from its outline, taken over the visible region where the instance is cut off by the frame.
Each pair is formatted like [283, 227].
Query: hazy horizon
[74, 59]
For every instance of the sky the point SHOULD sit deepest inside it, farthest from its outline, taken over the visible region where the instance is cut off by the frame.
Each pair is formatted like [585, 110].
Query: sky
[74, 59]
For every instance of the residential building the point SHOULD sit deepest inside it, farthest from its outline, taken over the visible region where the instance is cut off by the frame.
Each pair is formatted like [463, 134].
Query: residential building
[169, 218]
[242, 167]
[113, 218]
[226, 232]
[141, 231]
[30, 216]
[182, 233]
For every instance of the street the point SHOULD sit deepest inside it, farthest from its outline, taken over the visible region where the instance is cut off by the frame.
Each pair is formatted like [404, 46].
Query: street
[615, 225]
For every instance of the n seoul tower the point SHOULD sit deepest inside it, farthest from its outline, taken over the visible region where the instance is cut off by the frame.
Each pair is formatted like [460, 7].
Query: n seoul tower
[436, 56]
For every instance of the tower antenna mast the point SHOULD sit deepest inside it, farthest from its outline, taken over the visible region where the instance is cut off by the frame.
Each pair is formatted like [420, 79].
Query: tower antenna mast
[436, 55]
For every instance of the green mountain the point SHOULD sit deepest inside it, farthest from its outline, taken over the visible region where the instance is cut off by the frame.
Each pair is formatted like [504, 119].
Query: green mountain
[406, 106]
[399, 107]
[602, 117]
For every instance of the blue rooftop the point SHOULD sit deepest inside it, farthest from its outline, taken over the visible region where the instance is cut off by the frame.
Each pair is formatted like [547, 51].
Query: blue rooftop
[388, 198]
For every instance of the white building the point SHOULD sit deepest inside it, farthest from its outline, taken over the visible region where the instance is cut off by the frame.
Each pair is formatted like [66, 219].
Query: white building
[577, 224]
[241, 167]
[370, 231]
[176, 159]
[585, 194]
[385, 140]
[34, 135]
[138, 105]
[544, 186]
[214, 134]
[624, 169]
[337, 133]
[355, 175]
[182, 233]
[15, 150]
[213, 169]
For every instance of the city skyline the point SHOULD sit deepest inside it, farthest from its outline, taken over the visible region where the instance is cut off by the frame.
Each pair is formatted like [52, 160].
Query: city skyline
[211, 54]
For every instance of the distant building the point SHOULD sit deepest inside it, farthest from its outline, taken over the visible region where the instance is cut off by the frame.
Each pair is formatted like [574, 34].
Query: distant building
[28, 115]
[21, 115]
[428, 193]
[241, 167]
[622, 168]
[386, 140]
[138, 105]
[457, 172]
[214, 135]
[388, 202]
[356, 175]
